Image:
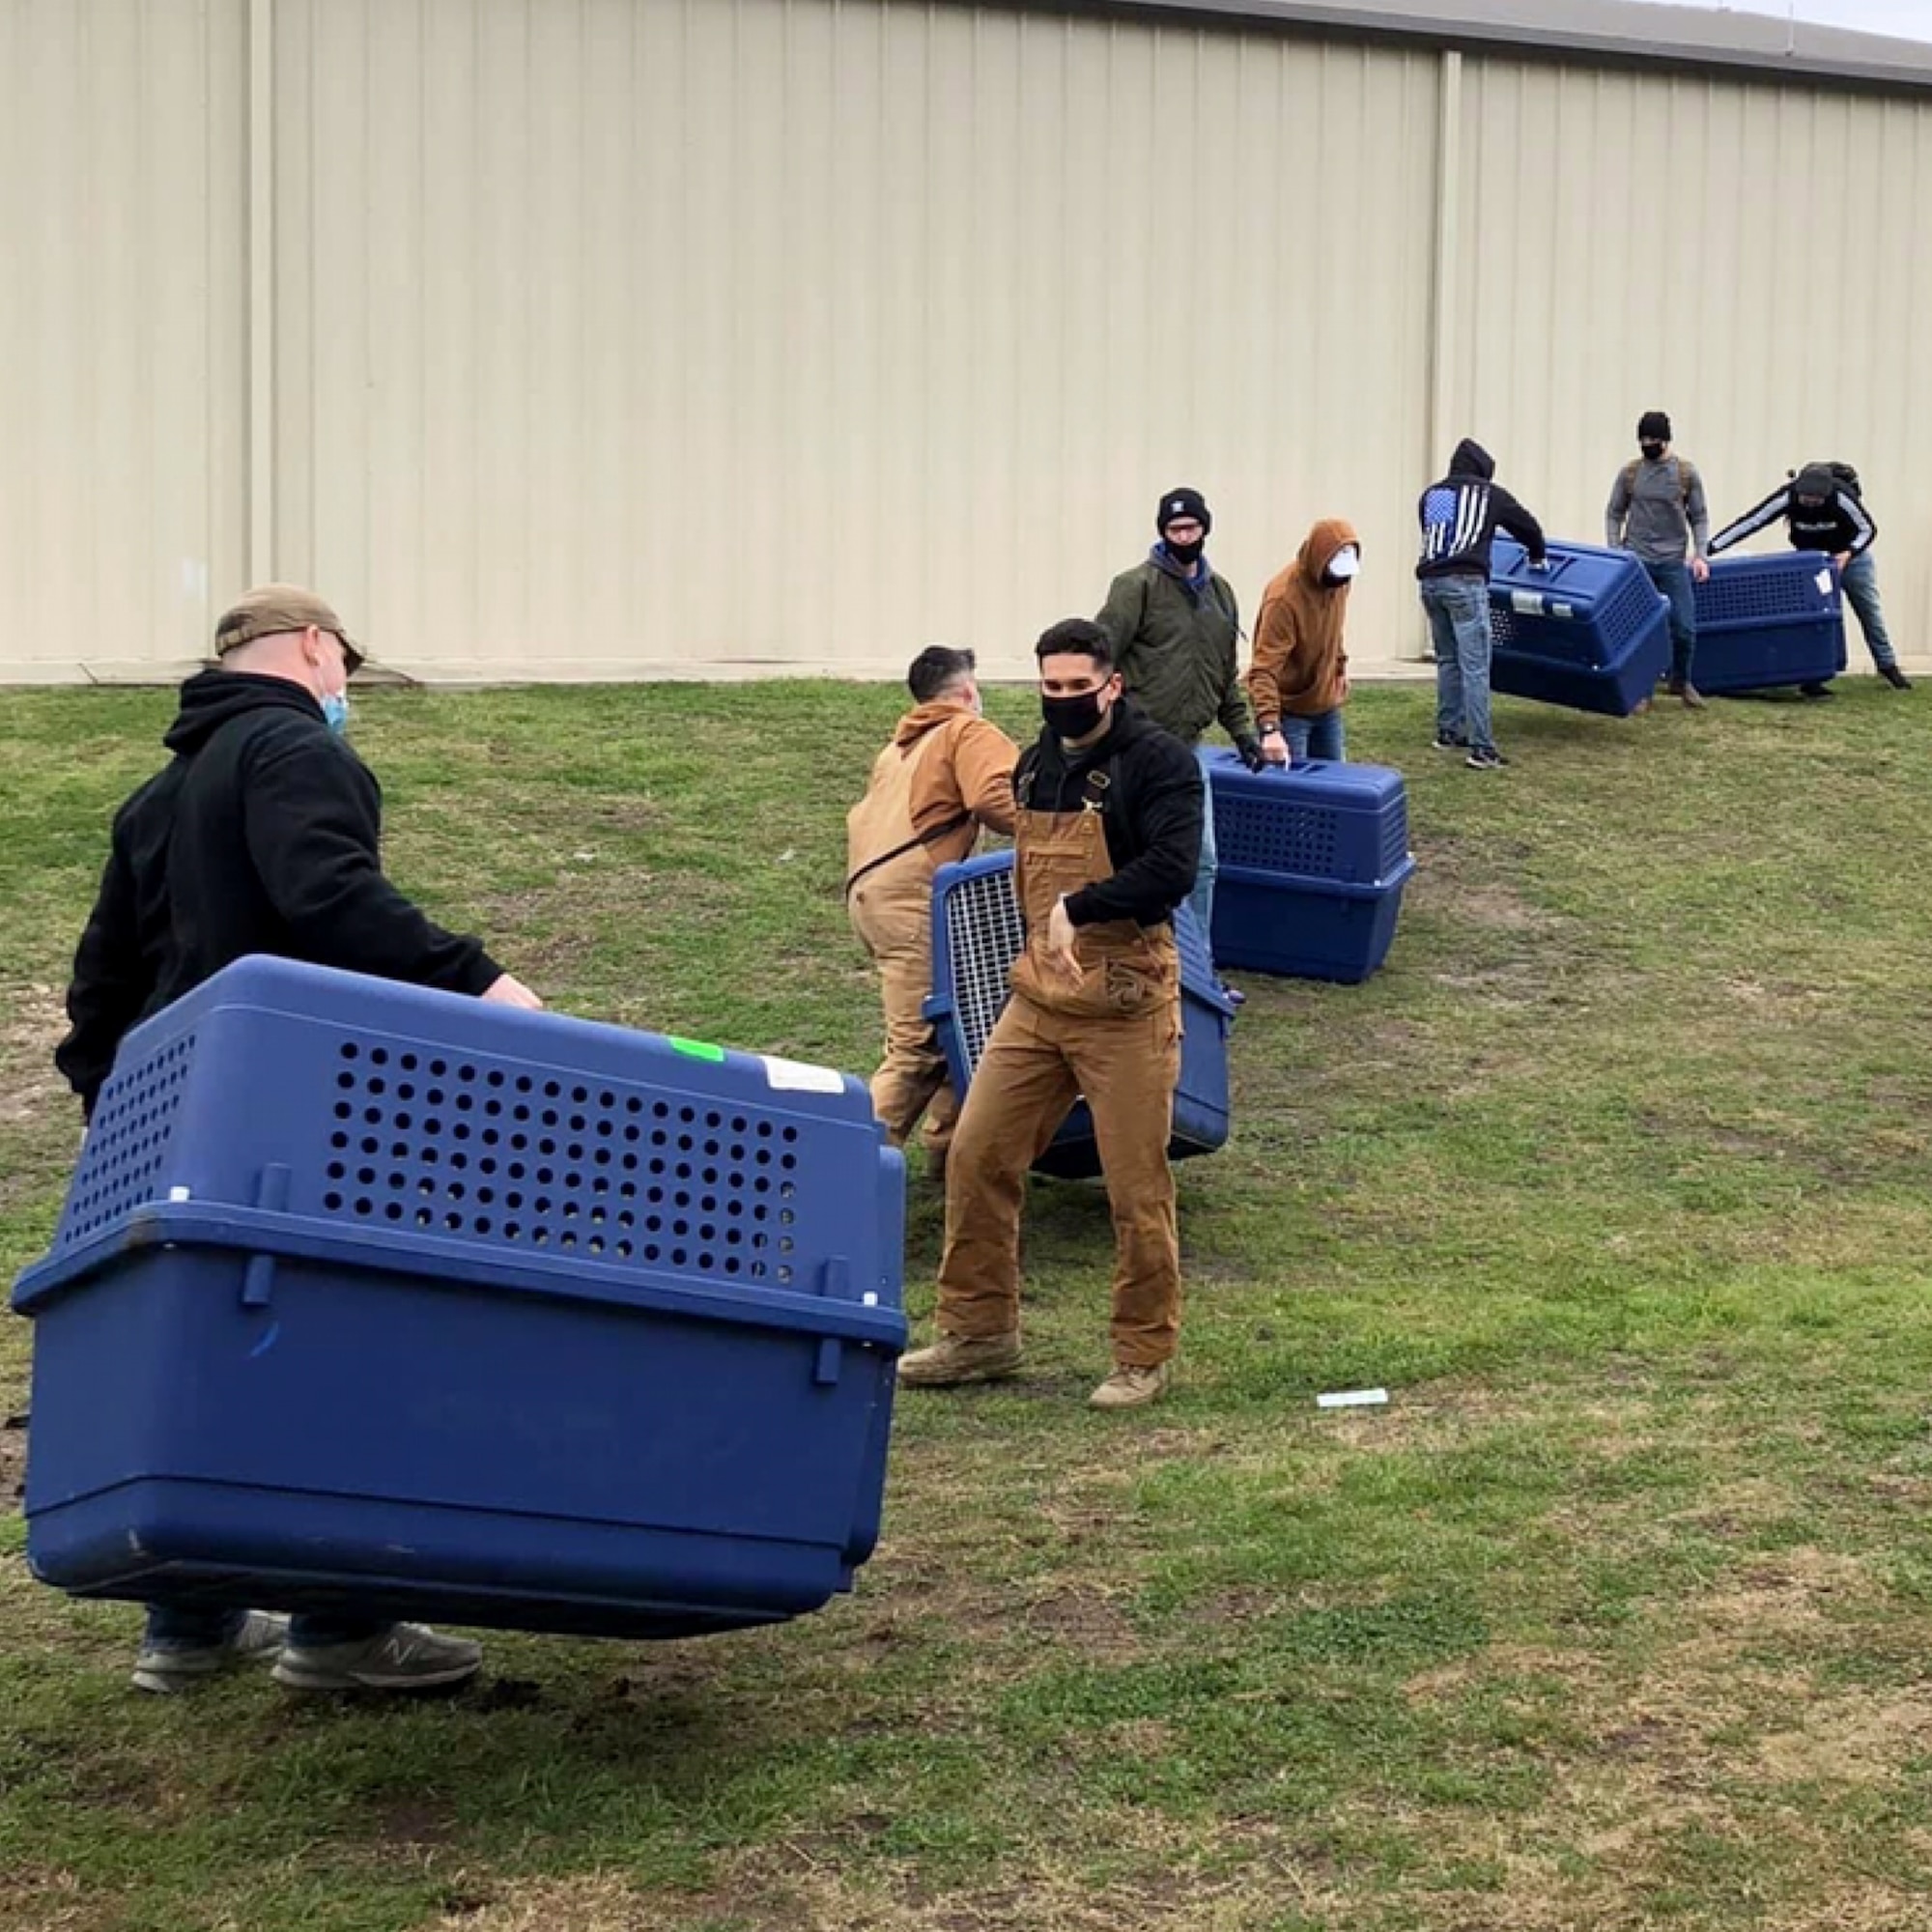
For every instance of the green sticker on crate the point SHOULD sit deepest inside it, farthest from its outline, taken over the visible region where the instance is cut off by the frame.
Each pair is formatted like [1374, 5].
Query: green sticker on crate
[698, 1049]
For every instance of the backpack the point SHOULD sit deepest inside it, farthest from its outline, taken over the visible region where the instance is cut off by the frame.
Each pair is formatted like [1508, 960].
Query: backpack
[1687, 477]
[1847, 478]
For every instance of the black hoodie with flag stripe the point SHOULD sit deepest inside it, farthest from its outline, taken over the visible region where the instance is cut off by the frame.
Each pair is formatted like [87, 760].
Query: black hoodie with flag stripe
[1460, 514]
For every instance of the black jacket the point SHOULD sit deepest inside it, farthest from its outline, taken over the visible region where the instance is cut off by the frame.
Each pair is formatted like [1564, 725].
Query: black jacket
[1840, 523]
[260, 836]
[1461, 515]
[1150, 811]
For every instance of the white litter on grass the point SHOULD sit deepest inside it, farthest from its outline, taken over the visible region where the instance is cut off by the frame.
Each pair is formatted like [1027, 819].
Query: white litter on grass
[1351, 1399]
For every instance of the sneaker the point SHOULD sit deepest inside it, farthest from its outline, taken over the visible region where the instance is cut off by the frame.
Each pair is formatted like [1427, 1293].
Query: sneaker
[1446, 741]
[1693, 698]
[405, 1656]
[953, 1359]
[167, 1667]
[1816, 691]
[1895, 677]
[1485, 758]
[1233, 996]
[1129, 1387]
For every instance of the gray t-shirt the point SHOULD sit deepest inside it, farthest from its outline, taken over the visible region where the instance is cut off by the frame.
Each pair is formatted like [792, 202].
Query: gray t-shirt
[1657, 510]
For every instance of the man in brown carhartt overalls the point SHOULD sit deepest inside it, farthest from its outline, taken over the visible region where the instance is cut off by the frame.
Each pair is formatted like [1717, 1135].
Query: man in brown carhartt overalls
[946, 774]
[1107, 833]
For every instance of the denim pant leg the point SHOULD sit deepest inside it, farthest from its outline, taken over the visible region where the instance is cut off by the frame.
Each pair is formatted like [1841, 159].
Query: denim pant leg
[1471, 610]
[1448, 666]
[1859, 584]
[191, 1626]
[1317, 737]
[1674, 581]
[1202, 897]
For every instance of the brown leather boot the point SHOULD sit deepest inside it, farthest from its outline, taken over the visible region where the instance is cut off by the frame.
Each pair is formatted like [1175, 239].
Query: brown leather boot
[953, 1359]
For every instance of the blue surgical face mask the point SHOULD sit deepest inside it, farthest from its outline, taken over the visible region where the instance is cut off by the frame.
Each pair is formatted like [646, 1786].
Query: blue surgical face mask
[335, 712]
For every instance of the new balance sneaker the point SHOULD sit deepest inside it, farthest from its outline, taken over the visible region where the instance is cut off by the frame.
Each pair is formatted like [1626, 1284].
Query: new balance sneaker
[1130, 1387]
[1448, 741]
[954, 1360]
[164, 1668]
[1485, 758]
[405, 1656]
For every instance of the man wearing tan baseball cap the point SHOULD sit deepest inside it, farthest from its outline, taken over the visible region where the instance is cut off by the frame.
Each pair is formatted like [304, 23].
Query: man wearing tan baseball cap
[262, 834]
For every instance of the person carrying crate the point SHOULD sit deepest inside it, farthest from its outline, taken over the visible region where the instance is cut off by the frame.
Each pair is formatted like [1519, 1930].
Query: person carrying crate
[1173, 622]
[262, 836]
[947, 773]
[1299, 677]
[1656, 511]
[1823, 507]
[1107, 843]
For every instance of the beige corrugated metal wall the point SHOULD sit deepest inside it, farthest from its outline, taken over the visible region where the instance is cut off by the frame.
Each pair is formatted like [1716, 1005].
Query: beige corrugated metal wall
[623, 337]
[122, 357]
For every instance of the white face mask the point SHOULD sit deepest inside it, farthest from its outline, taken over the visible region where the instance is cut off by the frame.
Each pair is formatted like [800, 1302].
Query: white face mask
[1346, 562]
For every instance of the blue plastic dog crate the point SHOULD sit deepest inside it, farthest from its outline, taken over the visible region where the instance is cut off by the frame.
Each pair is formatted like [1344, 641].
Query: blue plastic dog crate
[977, 935]
[1769, 620]
[368, 1298]
[1592, 632]
[1313, 860]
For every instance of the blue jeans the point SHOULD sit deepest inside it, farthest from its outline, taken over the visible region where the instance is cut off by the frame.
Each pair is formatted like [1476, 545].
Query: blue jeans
[1202, 897]
[1317, 737]
[1859, 584]
[1458, 620]
[1674, 581]
[195, 1627]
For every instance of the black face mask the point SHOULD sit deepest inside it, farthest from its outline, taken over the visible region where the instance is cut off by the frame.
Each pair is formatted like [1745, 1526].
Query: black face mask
[1073, 717]
[1188, 556]
[1653, 451]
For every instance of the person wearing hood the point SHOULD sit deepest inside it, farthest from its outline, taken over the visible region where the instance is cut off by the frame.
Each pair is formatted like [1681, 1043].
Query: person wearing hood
[1459, 517]
[1656, 512]
[1106, 845]
[1173, 624]
[1824, 510]
[947, 773]
[1299, 677]
[262, 836]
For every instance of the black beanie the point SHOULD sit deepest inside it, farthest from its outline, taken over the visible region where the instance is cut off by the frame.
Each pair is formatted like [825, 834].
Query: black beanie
[1182, 502]
[1653, 426]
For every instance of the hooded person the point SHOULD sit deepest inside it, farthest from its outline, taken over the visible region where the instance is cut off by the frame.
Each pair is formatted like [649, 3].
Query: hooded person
[946, 774]
[1459, 515]
[1298, 678]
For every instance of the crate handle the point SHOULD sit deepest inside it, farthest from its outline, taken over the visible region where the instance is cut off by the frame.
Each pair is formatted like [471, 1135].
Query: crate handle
[272, 1191]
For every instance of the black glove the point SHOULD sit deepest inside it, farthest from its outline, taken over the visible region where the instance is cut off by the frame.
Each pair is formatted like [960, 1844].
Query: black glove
[1249, 751]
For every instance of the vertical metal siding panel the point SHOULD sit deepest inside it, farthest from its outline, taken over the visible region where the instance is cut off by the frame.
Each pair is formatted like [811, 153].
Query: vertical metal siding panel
[119, 192]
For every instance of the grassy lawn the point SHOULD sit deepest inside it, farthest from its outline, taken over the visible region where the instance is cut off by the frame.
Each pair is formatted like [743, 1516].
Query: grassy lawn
[1616, 1617]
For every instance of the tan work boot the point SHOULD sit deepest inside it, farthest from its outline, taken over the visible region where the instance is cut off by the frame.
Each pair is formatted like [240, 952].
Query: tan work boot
[1130, 1387]
[953, 1359]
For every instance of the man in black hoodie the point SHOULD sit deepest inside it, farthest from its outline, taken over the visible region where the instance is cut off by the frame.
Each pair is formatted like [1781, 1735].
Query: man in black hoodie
[1459, 517]
[262, 836]
[1107, 840]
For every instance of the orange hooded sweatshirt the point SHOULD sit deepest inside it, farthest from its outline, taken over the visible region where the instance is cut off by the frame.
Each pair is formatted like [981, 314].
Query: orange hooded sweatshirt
[1299, 659]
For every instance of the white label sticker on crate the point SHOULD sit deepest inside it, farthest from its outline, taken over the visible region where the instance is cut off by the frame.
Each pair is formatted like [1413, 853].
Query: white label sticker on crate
[1826, 583]
[796, 1077]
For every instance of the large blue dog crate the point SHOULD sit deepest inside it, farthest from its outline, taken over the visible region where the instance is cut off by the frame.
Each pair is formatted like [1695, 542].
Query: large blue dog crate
[1592, 632]
[978, 933]
[1769, 620]
[1313, 860]
[368, 1298]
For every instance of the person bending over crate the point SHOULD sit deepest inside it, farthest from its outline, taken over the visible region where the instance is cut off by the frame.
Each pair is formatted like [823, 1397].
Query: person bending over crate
[1107, 842]
[947, 773]
[1657, 512]
[1299, 677]
[1823, 507]
[262, 836]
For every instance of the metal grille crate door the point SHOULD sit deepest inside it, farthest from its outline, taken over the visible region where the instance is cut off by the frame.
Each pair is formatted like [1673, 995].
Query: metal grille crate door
[978, 933]
[370, 1295]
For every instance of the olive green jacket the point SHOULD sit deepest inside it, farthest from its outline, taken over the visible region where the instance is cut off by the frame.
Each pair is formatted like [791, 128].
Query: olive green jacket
[1175, 648]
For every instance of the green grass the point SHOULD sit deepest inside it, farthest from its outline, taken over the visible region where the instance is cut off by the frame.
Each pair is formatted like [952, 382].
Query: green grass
[1616, 1617]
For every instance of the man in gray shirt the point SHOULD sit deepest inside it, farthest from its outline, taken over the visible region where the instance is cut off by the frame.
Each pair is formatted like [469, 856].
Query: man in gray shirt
[1656, 511]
